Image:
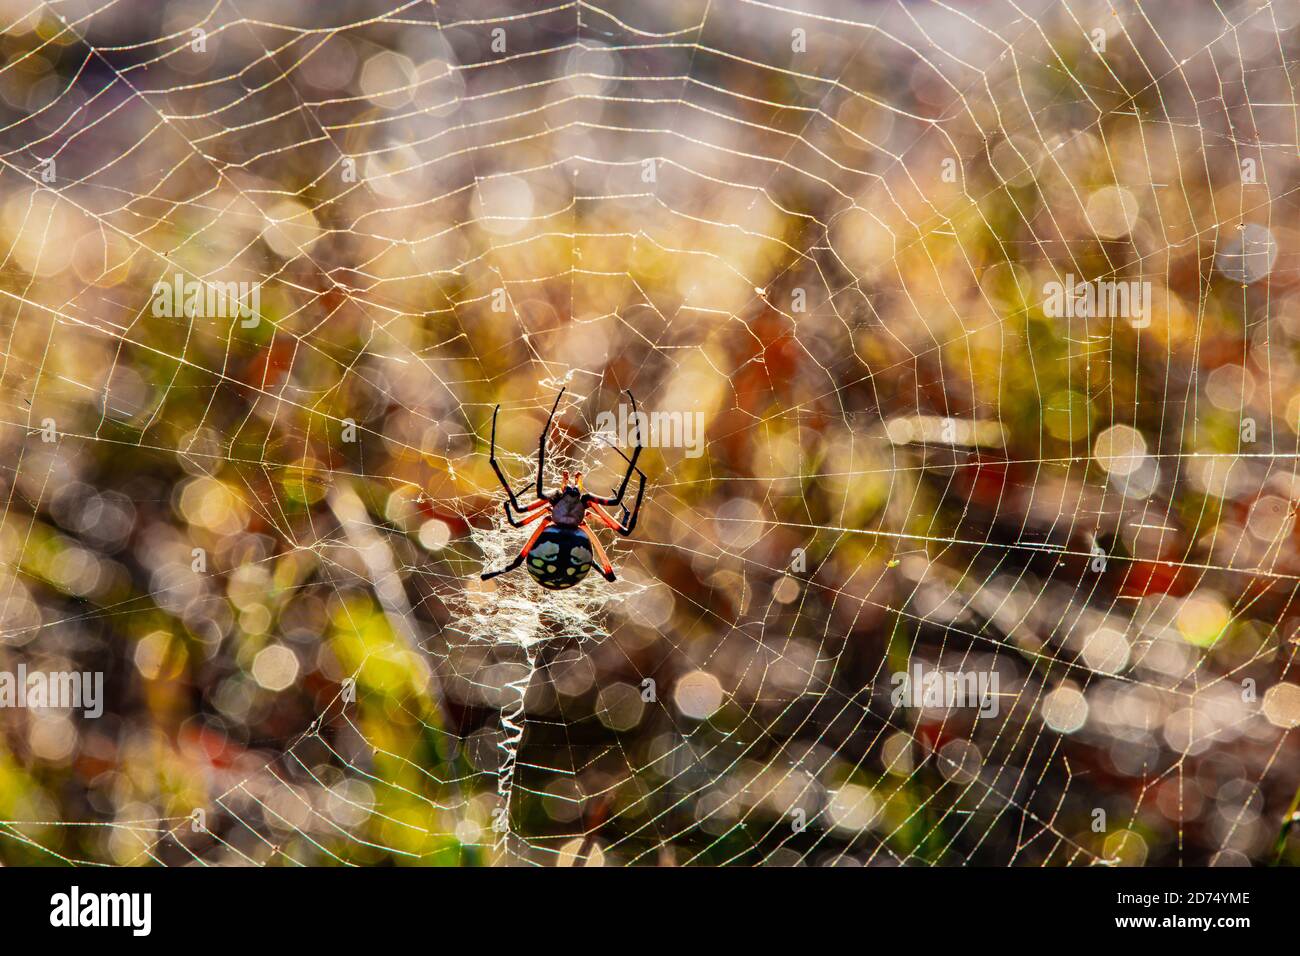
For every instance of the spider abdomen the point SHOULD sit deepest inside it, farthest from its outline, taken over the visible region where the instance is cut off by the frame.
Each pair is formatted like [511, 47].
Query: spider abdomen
[559, 558]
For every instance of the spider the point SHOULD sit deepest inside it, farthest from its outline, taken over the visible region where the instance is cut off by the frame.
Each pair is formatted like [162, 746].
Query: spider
[559, 553]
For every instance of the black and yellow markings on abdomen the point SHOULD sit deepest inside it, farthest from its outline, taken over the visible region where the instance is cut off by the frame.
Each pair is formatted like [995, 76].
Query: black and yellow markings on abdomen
[560, 558]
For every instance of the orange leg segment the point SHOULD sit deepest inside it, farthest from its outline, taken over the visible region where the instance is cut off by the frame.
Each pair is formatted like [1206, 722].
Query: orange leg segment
[605, 567]
[605, 517]
[535, 515]
[526, 548]
[536, 534]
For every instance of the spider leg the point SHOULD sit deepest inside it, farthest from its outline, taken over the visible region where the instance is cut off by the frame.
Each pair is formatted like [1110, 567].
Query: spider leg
[604, 517]
[523, 511]
[629, 517]
[501, 477]
[606, 568]
[617, 497]
[523, 552]
[530, 519]
[541, 445]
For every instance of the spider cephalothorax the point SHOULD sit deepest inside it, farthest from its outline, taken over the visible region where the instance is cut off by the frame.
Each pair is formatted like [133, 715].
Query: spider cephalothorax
[562, 549]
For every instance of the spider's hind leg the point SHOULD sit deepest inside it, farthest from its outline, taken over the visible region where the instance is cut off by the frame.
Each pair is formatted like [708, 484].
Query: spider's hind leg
[606, 569]
[523, 552]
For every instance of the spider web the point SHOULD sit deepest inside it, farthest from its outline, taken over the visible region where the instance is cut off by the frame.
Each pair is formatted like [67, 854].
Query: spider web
[826, 229]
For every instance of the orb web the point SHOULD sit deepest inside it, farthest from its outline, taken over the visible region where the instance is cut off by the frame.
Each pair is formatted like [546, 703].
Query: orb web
[968, 334]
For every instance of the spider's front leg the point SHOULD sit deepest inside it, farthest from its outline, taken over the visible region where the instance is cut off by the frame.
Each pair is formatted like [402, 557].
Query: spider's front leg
[617, 497]
[512, 498]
